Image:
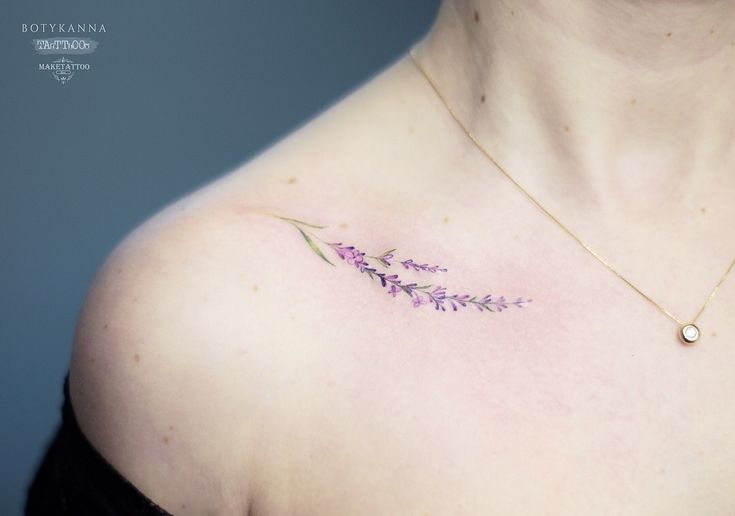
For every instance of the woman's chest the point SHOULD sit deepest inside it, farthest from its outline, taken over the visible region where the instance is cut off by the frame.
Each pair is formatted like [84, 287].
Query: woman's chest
[514, 414]
[581, 402]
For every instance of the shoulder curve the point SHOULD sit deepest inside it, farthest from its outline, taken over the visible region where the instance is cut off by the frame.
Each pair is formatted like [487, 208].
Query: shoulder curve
[162, 367]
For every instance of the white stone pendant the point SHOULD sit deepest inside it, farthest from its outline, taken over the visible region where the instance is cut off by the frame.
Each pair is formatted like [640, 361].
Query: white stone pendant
[688, 334]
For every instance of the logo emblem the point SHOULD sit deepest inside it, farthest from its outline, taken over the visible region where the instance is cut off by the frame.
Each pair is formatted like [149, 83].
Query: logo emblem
[62, 71]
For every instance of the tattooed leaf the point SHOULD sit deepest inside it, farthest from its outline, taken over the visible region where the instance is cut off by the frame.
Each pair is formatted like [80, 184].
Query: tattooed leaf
[313, 246]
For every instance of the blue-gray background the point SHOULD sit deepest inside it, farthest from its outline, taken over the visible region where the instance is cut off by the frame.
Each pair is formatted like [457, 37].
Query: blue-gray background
[179, 93]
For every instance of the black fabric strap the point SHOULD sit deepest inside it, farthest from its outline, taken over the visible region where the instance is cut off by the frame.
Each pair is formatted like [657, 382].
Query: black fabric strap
[75, 479]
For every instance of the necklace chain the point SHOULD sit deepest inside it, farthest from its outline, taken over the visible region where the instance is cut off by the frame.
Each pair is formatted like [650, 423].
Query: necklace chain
[553, 218]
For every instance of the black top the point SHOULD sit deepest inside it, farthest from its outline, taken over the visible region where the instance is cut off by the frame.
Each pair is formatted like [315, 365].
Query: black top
[74, 479]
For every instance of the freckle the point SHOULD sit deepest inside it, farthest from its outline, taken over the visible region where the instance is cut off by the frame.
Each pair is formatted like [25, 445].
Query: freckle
[136, 357]
[445, 220]
[703, 210]
[165, 439]
[92, 360]
[714, 334]
[566, 128]
[134, 299]
[712, 31]
[292, 180]
[668, 34]
[170, 427]
[183, 506]
[410, 129]
[255, 288]
[512, 13]
[477, 16]
[633, 102]
[343, 225]
[661, 471]
[104, 327]
[482, 99]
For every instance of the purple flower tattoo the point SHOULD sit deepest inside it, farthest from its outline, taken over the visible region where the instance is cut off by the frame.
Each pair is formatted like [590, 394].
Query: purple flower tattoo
[430, 294]
[409, 264]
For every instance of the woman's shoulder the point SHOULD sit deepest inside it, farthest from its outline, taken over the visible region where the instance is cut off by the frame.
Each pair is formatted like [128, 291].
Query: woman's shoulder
[179, 341]
[155, 348]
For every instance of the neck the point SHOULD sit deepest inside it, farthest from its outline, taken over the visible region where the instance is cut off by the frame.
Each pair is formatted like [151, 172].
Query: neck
[621, 100]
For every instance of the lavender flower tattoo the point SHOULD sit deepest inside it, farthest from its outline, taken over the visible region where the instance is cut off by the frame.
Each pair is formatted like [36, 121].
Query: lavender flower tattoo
[435, 295]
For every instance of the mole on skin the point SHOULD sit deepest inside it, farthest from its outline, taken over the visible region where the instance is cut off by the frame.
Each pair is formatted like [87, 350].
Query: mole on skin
[477, 16]
[292, 180]
[482, 99]
[136, 357]
[668, 34]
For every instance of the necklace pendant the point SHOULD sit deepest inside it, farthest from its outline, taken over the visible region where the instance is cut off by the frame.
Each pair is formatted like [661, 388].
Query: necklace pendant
[688, 334]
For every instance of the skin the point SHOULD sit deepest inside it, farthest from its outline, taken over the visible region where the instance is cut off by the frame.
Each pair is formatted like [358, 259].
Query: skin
[224, 368]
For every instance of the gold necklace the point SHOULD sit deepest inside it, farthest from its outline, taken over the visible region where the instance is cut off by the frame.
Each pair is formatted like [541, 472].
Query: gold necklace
[688, 332]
